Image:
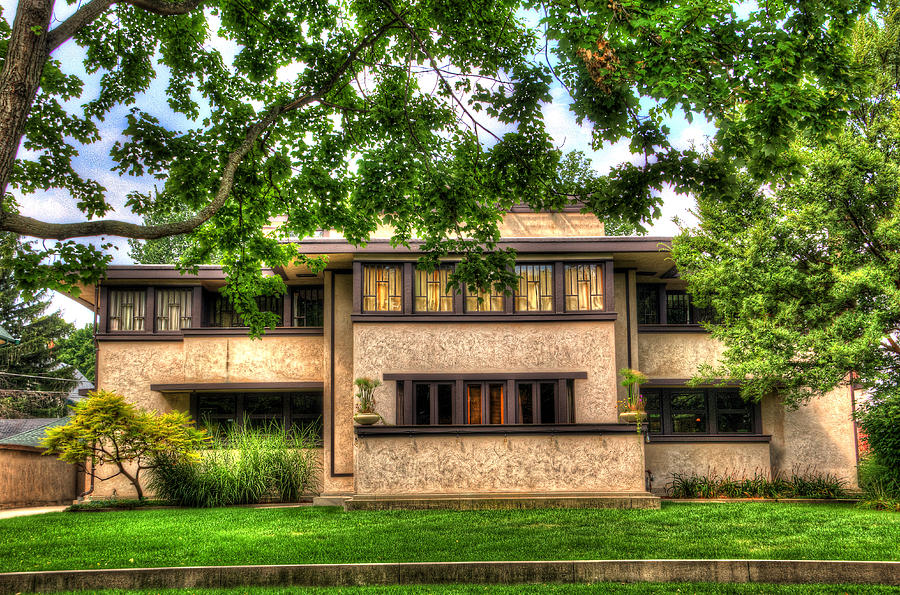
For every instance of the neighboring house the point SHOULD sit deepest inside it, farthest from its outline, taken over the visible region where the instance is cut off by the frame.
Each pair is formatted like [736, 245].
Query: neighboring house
[510, 394]
[29, 478]
[80, 388]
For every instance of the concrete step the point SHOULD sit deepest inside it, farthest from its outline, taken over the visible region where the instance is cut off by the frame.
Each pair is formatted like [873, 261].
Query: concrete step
[330, 500]
[501, 501]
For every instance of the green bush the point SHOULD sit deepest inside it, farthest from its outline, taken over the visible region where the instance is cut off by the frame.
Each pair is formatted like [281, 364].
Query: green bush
[245, 466]
[807, 485]
[879, 470]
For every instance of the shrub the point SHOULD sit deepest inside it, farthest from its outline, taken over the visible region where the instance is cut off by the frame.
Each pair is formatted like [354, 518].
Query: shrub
[106, 430]
[808, 485]
[244, 466]
[879, 470]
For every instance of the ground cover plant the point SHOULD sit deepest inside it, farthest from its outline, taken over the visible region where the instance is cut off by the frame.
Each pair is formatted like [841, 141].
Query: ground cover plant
[808, 485]
[189, 537]
[624, 589]
[244, 465]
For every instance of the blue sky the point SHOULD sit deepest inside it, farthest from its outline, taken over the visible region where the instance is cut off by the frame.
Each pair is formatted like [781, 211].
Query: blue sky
[94, 162]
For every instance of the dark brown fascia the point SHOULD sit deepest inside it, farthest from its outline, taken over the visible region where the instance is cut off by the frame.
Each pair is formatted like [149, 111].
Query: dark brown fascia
[190, 387]
[523, 245]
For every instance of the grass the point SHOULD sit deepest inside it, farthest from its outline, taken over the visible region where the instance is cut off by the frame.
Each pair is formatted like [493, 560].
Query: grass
[611, 588]
[187, 537]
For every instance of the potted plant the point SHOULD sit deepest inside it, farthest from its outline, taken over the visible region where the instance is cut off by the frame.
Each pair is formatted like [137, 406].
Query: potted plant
[633, 404]
[365, 409]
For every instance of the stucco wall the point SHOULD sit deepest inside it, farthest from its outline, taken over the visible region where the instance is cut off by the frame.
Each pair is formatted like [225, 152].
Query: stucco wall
[130, 367]
[341, 481]
[737, 459]
[424, 348]
[675, 355]
[815, 438]
[31, 479]
[490, 464]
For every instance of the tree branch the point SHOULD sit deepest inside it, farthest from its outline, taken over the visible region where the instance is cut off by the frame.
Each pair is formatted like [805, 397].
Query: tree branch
[29, 226]
[91, 11]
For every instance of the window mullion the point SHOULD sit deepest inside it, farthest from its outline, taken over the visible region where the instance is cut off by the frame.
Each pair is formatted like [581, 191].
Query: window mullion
[432, 403]
[712, 412]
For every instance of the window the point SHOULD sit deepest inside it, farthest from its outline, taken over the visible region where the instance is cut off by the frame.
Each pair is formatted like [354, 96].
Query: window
[126, 309]
[431, 294]
[584, 287]
[382, 288]
[489, 401]
[485, 301]
[173, 309]
[678, 307]
[485, 402]
[299, 410]
[658, 305]
[699, 411]
[535, 291]
[647, 304]
[432, 403]
[309, 307]
[220, 311]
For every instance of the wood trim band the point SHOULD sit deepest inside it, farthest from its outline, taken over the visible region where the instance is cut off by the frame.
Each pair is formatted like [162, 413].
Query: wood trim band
[494, 430]
[236, 386]
[671, 328]
[681, 382]
[481, 317]
[710, 438]
[426, 377]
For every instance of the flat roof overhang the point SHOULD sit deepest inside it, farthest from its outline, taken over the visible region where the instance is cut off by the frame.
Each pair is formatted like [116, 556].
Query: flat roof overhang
[199, 387]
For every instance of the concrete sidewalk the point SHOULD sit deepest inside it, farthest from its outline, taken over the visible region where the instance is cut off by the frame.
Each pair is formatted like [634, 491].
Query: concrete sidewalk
[14, 512]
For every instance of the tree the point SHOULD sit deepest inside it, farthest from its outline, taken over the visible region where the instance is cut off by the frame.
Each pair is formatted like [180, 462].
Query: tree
[165, 250]
[33, 382]
[78, 351]
[422, 115]
[803, 273]
[107, 431]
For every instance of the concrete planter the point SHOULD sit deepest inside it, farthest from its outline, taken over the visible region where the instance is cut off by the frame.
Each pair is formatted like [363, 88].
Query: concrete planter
[366, 419]
[631, 417]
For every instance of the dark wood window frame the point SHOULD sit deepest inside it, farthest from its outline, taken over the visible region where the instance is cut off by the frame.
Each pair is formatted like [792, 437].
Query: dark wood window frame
[406, 383]
[662, 325]
[291, 314]
[460, 313]
[199, 315]
[286, 415]
[710, 409]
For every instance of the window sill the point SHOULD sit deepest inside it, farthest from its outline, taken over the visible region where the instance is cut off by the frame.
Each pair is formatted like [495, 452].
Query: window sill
[671, 328]
[494, 430]
[708, 438]
[482, 317]
[205, 332]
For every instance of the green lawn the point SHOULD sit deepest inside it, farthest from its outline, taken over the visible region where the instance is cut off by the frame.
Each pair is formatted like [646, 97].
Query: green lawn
[190, 537]
[611, 588]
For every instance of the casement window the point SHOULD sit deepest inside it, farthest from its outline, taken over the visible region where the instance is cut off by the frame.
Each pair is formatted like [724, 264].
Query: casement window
[690, 411]
[485, 301]
[433, 403]
[382, 288]
[126, 309]
[308, 307]
[485, 402]
[173, 308]
[299, 410]
[535, 290]
[540, 402]
[431, 293]
[220, 312]
[658, 305]
[489, 400]
[584, 287]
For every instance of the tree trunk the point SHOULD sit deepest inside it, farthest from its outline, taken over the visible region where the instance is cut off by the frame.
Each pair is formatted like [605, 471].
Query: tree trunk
[20, 78]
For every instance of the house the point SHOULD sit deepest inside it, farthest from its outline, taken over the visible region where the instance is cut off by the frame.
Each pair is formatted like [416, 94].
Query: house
[29, 478]
[484, 395]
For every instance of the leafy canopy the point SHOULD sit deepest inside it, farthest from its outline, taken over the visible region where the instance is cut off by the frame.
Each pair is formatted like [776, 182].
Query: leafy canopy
[803, 273]
[105, 430]
[422, 115]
